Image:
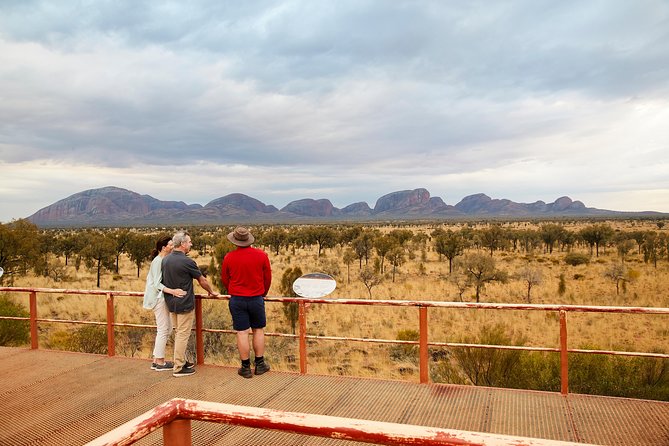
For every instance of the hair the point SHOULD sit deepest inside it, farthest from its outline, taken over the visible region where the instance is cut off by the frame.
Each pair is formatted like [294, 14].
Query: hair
[179, 238]
[160, 244]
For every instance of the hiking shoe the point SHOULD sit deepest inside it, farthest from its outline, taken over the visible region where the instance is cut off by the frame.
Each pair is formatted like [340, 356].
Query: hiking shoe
[262, 368]
[185, 371]
[245, 372]
[162, 367]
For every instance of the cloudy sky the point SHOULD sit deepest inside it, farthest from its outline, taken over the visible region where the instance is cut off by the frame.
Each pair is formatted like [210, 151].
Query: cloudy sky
[346, 100]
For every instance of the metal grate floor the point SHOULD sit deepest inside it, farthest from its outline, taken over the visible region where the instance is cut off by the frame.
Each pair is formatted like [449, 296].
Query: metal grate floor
[57, 398]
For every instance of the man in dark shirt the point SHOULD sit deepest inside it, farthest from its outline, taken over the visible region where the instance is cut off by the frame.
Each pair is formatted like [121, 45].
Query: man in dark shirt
[178, 273]
[247, 275]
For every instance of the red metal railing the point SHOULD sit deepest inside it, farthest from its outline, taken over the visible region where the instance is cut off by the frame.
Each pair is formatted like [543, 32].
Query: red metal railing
[302, 336]
[175, 418]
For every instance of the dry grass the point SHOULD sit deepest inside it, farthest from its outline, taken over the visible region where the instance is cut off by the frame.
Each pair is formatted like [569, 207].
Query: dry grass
[586, 284]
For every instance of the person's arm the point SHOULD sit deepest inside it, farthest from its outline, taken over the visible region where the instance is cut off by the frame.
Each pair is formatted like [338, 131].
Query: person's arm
[176, 292]
[205, 284]
[267, 275]
[225, 274]
[154, 277]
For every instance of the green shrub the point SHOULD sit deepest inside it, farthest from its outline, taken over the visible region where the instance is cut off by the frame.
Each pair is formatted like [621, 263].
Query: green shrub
[405, 352]
[575, 258]
[646, 378]
[13, 332]
[87, 339]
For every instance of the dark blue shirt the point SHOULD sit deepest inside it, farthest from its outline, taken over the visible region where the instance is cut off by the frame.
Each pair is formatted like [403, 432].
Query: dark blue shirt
[179, 272]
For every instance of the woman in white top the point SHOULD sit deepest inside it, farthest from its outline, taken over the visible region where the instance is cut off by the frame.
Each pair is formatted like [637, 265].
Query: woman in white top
[154, 300]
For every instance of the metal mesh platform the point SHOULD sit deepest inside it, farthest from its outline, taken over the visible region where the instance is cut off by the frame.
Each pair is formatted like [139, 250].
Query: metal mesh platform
[70, 398]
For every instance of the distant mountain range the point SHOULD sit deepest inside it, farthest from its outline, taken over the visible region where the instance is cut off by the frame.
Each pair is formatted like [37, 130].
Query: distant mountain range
[113, 206]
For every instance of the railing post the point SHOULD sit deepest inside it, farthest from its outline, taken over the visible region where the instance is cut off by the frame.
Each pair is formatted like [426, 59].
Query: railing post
[199, 342]
[303, 337]
[422, 346]
[34, 344]
[564, 367]
[111, 345]
[177, 433]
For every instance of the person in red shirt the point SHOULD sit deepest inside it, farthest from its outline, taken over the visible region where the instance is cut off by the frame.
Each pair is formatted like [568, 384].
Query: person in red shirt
[247, 275]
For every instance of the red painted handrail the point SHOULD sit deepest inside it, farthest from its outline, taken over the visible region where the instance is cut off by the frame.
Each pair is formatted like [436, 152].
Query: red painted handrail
[174, 417]
[302, 335]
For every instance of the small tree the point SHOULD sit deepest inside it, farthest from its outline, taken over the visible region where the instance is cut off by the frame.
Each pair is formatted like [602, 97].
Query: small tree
[370, 278]
[531, 277]
[99, 253]
[396, 258]
[291, 310]
[480, 270]
[450, 245]
[596, 235]
[139, 248]
[562, 285]
[616, 273]
[348, 258]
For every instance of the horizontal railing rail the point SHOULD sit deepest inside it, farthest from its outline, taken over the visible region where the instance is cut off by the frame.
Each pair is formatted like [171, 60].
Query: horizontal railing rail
[302, 336]
[175, 416]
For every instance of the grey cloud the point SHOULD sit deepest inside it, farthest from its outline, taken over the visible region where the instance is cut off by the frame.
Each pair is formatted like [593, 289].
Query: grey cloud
[452, 73]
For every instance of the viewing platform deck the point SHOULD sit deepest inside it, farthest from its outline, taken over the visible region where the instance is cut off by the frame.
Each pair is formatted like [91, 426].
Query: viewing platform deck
[65, 398]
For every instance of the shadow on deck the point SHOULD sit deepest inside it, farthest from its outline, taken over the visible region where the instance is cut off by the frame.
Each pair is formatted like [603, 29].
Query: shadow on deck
[52, 397]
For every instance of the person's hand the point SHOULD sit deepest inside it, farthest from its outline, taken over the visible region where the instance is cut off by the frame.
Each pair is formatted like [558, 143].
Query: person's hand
[179, 293]
[212, 294]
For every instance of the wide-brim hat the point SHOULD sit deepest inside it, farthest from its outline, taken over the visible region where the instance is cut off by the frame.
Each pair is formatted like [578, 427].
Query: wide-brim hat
[241, 237]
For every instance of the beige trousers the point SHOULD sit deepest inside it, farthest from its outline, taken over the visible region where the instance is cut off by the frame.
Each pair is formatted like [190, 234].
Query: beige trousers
[183, 323]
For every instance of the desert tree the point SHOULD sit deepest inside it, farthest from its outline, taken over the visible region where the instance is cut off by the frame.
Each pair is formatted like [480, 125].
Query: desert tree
[291, 310]
[68, 245]
[402, 236]
[531, 277]
[362, 245]
[450, 245]
[139, 248]
[348, 234]
[396, 258]
[624, 245]
[616, 274]
[46, 245]
[651, 248]
[529, 239]
[638, 237]
[492, 237]
[383, 244]
[19, 248]
[121, 239]
[99, 252]
[596, 235]
[480, 270]
[348, 258]
[461, 282]
[323, 236]
[550, 234]
[370, 278]
[275, 238]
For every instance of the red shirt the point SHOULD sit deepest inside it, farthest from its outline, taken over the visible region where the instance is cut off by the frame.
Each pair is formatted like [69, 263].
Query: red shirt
[246, 272]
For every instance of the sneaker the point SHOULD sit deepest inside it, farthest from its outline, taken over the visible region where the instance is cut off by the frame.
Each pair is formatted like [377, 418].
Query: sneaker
[190, 365]
[262, 368]
[162, 367]
[185, 371]
[245, 372]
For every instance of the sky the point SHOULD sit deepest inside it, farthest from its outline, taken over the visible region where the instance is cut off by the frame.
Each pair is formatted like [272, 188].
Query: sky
[346, 100]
